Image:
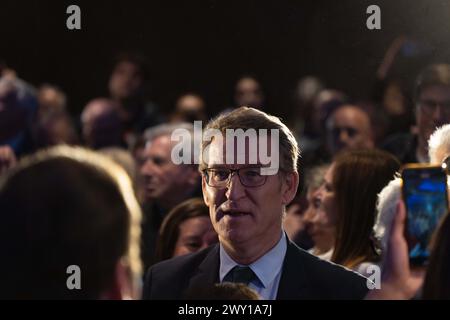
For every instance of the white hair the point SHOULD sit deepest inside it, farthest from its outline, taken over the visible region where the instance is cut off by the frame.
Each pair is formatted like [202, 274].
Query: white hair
[386, 209]
[438, 140]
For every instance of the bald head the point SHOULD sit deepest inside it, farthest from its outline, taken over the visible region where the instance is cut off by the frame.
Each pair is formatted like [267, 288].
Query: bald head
[189, 108]
[248, 92]
[349, 128]
[190, 103]
[101, 124]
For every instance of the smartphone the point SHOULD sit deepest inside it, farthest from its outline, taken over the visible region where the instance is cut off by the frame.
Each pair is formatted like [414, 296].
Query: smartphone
[425, 195]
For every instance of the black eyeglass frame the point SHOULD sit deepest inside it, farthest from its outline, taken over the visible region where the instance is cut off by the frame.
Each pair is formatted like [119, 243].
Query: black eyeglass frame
[230, 174]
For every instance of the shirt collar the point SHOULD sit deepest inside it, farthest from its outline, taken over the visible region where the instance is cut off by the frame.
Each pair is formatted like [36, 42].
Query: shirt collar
[266, 268]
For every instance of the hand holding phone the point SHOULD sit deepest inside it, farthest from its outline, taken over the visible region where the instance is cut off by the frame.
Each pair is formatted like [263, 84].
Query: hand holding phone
[425, 196]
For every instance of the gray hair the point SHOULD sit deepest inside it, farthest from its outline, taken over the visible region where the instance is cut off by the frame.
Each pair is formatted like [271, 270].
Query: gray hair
[189, 140]
[165, 129]
[439, 139]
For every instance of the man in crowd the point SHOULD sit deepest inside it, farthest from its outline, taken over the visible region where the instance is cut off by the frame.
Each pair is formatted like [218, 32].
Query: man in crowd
[247, 201]
[101, 125]
[165, 183]
[127, 86]
[432, 98]
[249, 92]
[189, 107]
[349, 128]
[18, 107]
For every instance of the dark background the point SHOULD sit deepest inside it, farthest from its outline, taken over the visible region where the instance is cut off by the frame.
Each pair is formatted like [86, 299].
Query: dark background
[204, 45]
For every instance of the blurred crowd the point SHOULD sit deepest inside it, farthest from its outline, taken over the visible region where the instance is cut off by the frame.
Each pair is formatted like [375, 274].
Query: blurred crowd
[101, 188]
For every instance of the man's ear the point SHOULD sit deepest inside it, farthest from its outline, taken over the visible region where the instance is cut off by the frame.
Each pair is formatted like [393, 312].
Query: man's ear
[290, 186]
[121, 286]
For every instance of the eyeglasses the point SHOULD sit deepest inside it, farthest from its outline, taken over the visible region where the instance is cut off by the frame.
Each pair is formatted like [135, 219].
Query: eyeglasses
[429, 106]
[220, 178]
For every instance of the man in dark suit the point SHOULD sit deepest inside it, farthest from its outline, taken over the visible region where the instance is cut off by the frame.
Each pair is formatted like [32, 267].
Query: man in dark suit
[247, 192]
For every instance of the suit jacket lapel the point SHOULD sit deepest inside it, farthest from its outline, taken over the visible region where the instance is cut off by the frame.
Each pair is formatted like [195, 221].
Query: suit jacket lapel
[294, 283]
[208, 271]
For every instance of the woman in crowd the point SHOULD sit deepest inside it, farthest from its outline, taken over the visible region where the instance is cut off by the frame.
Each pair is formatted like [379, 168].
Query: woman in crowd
[319, 227]
[349, 195]
[300, 217]
[186, 229]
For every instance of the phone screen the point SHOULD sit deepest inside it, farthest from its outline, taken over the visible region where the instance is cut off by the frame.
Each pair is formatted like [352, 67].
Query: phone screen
[425, 195]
